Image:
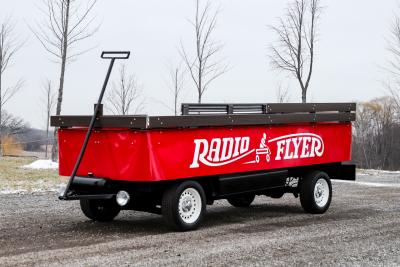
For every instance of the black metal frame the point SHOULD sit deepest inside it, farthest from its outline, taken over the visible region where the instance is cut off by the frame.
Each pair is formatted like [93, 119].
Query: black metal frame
[271, 108]
[216, 186]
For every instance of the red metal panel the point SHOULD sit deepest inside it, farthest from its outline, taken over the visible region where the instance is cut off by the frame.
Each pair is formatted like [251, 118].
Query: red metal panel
[122, 154]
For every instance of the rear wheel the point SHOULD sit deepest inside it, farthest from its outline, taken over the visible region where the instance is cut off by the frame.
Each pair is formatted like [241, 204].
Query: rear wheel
[184, 205]
[316, 192]
[241, 201]
[102, 210]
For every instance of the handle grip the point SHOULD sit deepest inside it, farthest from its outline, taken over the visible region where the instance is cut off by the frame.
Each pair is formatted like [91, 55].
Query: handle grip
[115, 54]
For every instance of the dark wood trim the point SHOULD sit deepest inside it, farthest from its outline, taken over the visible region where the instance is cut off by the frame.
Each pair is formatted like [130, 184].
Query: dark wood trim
[214, 115]
[162, 122]
[133, 122]
[245, 119]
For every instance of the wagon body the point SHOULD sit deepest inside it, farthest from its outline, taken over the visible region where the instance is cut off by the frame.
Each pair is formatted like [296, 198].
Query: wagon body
[175, 165]
[181, 153]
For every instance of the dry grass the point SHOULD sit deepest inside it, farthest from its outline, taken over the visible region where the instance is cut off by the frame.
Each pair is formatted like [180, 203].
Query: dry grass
[10, 146]
[14, 178]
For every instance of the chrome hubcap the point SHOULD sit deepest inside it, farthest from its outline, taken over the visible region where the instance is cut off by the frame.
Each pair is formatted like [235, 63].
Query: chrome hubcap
[321, 192]
[187, 204]
[190, 205]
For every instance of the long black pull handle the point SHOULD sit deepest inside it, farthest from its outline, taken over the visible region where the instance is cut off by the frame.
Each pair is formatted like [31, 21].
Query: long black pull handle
[113, 55]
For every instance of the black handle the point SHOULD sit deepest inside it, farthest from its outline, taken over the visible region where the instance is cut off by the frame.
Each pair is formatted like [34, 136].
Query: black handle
[115, 54]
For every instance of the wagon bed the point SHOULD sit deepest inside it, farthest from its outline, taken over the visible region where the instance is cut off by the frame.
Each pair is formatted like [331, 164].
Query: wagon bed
[157, 148]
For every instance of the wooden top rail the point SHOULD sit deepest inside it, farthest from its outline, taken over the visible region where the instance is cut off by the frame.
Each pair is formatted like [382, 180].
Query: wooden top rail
[213, 115]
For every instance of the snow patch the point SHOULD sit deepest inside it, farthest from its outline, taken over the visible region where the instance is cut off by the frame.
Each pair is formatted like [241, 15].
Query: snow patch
[42, 165]
[13, 191]
[372, 171]
[18, 191]
[370, 184]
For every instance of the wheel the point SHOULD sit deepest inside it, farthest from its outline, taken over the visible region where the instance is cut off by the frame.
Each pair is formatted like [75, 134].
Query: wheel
[243, 201]
[184, 205]
[102, 210]
[316, 192]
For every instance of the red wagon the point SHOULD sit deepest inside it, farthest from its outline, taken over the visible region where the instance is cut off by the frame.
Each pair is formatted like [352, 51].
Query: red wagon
[176, 165]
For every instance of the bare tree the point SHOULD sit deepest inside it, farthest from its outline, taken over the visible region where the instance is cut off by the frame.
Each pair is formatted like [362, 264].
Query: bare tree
[9, 46]
[393, 66]
[376, 144]
[393, 87]
[204, 67]
[48, 102]
[126, 95]
[282, 94]
[12, 125]
[297, 36]
[66, 24]
[176, 85]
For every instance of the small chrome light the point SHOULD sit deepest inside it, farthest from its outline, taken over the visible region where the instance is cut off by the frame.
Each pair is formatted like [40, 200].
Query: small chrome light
[122, 198]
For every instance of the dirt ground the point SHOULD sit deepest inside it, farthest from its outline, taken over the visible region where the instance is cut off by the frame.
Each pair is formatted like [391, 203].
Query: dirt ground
[362, 227]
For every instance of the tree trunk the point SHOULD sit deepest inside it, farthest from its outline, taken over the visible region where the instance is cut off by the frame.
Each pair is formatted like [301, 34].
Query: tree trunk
[47, 131]
[304, 96]
[176, 91]
[54, 152]
[54, 149]
[200, 80]
[176, 104]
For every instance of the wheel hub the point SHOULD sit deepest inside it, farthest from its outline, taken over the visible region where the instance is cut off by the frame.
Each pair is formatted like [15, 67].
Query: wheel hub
[187, 204]
[190, 205]
[321, 192]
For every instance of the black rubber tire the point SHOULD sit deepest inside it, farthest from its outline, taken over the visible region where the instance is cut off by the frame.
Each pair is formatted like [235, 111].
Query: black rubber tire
[170, 206]
[307, 198]
[243, 201]
[101, 210]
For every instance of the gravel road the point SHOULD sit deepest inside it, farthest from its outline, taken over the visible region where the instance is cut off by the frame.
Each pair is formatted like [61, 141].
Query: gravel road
[362, 227]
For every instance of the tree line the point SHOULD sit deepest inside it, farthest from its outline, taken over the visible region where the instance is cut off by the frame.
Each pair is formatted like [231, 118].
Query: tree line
[376, 142]
[66, 24]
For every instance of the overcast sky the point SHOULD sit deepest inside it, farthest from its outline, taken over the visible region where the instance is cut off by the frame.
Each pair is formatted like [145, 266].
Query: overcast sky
[349, 54]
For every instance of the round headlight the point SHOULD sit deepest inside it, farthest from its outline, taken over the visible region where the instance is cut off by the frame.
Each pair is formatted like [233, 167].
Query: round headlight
[122, 198]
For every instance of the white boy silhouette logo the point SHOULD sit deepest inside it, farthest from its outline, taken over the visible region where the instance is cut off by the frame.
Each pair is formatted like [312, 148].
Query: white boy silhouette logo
[263, 150]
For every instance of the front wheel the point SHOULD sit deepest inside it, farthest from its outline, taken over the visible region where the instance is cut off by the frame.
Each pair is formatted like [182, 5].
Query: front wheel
[316, 192]
[102, 210]
[184, 205]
